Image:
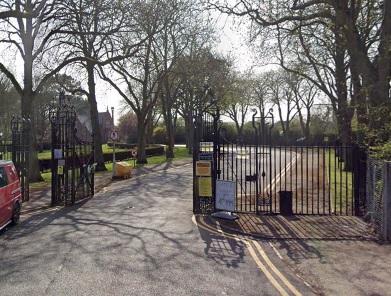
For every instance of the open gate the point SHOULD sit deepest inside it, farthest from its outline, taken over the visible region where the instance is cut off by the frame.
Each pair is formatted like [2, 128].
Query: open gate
[72, 158]
[21, 133]
[323, 180]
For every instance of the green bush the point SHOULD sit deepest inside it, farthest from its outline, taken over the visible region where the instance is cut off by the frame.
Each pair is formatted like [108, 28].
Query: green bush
[383, 151]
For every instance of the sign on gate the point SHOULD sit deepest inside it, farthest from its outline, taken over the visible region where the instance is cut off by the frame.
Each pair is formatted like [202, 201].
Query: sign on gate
[242, 153]
[203, 168]
[206, 146]
[206, 156]
[225, 195]
[205, 186]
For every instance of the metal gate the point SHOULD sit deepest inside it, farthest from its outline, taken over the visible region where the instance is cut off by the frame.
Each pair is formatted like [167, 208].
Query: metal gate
[21, 133]
[323, 180]
[72, 158]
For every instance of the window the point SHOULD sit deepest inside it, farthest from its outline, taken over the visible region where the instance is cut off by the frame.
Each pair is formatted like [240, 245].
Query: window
[13, 175]
[3, 178]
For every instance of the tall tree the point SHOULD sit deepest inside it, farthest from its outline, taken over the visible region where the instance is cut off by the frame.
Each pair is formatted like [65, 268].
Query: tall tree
[362, 29]
[137, 78]
[32, 33]
[237, 102]
[92, 29]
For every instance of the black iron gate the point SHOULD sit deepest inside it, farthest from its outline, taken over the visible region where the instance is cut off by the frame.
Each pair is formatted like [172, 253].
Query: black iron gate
[323, 180]
[21, 133]
[72, 158]
[14, 146]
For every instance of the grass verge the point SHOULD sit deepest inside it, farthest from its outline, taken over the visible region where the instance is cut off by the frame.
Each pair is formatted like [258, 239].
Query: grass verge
[179, 152]
[340, 184]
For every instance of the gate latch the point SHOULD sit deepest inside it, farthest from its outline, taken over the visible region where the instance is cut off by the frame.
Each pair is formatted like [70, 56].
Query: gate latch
[251, 178]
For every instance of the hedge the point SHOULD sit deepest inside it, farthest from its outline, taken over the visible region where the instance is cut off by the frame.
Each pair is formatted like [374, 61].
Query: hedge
[46, 164]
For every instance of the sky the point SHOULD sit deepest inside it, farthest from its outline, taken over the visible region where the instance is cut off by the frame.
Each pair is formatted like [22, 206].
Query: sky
[231, 37]
[232, 42]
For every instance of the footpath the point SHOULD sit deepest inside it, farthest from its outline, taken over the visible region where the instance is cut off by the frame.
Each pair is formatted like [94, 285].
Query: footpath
[40, 196]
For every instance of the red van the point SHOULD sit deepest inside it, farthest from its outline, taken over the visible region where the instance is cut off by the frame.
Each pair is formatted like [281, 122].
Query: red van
[10, 194]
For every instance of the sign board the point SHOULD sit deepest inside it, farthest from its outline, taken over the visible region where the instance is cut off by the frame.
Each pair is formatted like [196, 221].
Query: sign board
[203, 168]
[60, 166]
[57, 153]
[60, 170]
[205, 186]
[114, 136]
[206, 146]
[206, 156]
[134, 153]
[242, 153]
[225, 195]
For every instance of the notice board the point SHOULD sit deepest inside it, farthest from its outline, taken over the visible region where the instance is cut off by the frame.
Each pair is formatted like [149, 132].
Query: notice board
[203, 168]
[225, 195]
[205, 186]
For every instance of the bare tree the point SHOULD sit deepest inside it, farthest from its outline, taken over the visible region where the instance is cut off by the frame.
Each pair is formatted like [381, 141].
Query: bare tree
[33, 33]
[93, 30]
[237, 102]
[139, 74]
[282, 96]
[362, 30]
[304, 96]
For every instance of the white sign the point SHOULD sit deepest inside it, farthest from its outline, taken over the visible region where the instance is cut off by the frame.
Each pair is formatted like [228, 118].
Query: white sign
[57, 153]
[242, 153]
[206, 146]
[225, 195]
[114, 135]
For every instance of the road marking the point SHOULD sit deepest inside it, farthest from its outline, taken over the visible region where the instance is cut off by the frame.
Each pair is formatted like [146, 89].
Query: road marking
[280, 175]
[275, 270]
[257, 260]
[276, 251]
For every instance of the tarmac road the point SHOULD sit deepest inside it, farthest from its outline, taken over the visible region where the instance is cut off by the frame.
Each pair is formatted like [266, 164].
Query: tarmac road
[137, 237]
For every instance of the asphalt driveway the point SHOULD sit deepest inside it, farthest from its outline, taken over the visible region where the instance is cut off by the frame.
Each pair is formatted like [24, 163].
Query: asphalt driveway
[135, 237]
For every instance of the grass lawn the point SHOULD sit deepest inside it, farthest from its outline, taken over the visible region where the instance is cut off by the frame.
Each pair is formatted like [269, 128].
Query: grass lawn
[47, 154]
[340, 184]
[180, 153]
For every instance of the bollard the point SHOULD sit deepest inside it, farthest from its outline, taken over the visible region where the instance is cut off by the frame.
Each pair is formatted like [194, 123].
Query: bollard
[286, 203]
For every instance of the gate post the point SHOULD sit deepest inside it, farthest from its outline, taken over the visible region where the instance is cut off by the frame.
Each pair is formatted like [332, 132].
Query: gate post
[387, 201]
[196, 141]
[216, 151]
[359, 166]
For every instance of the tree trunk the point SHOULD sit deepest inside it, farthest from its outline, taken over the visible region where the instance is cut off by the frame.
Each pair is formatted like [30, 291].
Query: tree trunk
[302, 123]
[359, 98]
[169, 123]
[97, 136]
[189, 127]
[27, 103]
[141, 140]
[344, 113]
[33, 165]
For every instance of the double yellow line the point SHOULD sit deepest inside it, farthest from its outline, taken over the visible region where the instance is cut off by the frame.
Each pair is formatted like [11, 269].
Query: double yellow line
[275, 277]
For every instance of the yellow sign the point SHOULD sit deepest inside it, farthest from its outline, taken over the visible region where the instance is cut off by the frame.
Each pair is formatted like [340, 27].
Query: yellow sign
[205, 186]
[60, 170]
[203, 168]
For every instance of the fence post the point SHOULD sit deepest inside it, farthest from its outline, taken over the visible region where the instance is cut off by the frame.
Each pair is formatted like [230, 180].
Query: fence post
[387, 202]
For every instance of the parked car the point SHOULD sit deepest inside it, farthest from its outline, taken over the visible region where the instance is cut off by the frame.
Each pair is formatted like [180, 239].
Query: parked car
[10, 194]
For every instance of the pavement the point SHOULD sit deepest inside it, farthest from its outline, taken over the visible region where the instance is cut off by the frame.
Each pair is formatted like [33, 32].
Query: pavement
[40, 195]
[139, 237]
